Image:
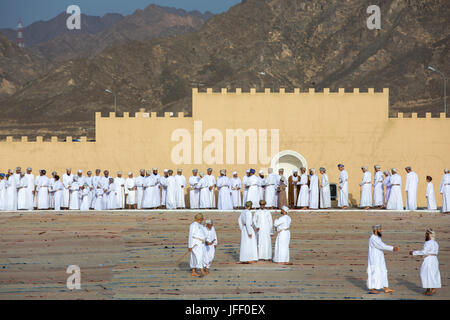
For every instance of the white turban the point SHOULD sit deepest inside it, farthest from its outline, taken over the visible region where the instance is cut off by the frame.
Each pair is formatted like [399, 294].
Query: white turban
[431, 233]
[130, 173]
[222, 171]
[376, 227]
[261, 172]
[234, 172]
[394, 170]
[80, 171]
[295, 170]
[154, 169]
[166, 170]
[285, 209]
[247, 171]
[364, 168]
[377, 167]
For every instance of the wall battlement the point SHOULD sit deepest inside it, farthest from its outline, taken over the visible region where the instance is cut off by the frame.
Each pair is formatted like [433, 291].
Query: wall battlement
[282, 91]
[142, 114]
[414, 116]
[40, 139]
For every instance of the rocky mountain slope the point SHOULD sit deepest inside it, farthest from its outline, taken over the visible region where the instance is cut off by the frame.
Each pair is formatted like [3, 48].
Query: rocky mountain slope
[258, 43]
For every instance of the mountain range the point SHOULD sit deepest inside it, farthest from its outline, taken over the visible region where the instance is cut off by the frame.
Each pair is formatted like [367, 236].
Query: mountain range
[257, 43]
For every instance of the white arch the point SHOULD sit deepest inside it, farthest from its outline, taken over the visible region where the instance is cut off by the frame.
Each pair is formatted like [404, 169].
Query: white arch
[275, 163]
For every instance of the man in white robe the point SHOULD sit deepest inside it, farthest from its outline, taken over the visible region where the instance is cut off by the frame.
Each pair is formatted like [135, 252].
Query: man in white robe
[249, 249]
[313, 189]
[140, 188]
[386, 183]
[22, 192]
[262, 184]
[343, 187]
[196, 241]
[411, 189]
[194, 190]
[303, 197]
[429, 271]
[84, 198]
[205, 194]
[88, 181]
[282, 225]
[42, 191]
[157, 190]
[395, 201]
[106, 186]
[111, 195]
[181, 184]
[378, 189]
[366, 189]
[210, 244]
[67, 179]
[51, 194]
[431, 199]
[11, 192]
[444, 189]
[224, 201]
[99, 194]
[130, 191]
[262, 220]
[236, 187]
[325, 194]
[244, 183]
[212, 187]
[2, 192]
[30, 188]
[148, 184]
[57, 191]
[270, 195]
[163, 187]
[172, 189]
[253, 189]
[376, 267]
[80, 177]
[95, 182]
[119, 181]
[74, 198]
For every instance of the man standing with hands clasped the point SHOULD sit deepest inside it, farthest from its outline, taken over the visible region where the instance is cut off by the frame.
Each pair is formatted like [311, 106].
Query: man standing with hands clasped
[376, 268]
[196, 245]
[282, 224]
[429, 271]
[249, 248]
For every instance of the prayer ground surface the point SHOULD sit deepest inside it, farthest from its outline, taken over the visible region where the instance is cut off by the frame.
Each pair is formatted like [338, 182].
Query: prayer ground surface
[133, 255]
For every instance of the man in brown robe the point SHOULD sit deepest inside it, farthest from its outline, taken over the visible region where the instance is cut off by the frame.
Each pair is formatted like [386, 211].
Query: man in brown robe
[293, 190]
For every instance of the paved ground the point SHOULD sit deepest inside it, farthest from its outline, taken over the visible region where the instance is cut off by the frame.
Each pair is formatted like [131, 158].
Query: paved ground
[132, 255]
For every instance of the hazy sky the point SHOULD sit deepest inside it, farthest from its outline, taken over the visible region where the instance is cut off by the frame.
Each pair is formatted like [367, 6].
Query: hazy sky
[33, 10]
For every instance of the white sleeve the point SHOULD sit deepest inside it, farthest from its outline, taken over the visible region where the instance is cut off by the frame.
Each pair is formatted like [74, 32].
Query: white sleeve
[377, 243]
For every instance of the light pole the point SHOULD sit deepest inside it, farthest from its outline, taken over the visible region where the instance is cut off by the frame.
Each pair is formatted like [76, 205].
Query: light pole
[115, 100]
[445, 87]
